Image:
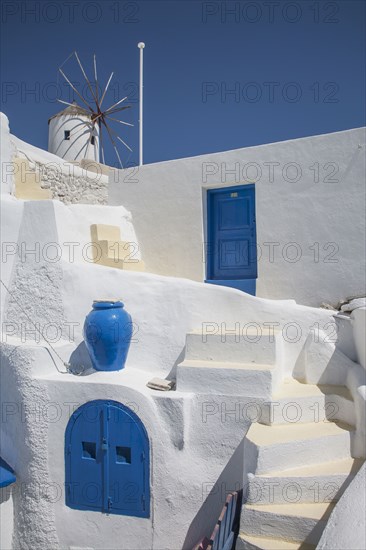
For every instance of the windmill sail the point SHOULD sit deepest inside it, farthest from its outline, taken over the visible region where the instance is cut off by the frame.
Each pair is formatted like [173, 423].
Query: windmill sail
[99, 116]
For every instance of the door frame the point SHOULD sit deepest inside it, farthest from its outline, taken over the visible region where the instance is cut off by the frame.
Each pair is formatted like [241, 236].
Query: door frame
[146, 467]
[246, 285]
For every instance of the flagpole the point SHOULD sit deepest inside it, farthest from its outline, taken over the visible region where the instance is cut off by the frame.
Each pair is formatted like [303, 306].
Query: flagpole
[141, 46]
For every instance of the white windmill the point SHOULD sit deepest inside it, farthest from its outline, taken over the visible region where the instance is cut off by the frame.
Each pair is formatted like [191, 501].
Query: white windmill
[78, 132]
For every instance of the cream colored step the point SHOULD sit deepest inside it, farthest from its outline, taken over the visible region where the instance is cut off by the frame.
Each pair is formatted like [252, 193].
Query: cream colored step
[111, 251]
[294, 387]
[117, 250]
[248, 542]
[227, 378]
[297, 402]
[294, 522]
[252, 345]
[280, 447]
[346, 466]
[323, 482]
[28, 182]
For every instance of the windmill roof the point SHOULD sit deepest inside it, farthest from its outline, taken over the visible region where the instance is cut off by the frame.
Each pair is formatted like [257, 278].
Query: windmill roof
[73, 109]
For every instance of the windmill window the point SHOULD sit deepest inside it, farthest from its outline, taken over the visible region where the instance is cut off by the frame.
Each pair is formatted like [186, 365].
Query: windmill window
[67, 135]
[92, 141]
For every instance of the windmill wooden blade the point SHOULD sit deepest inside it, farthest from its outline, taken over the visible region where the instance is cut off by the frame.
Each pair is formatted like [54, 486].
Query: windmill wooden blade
[97, 117]
[65, 102]
[101, 141]
[120, 121]
[75, 90]
[115, 105]
[113, 143]
[96, 78]
[117, 110]
[125, 144]
[86, 78]
[121, 140]
[105, 90]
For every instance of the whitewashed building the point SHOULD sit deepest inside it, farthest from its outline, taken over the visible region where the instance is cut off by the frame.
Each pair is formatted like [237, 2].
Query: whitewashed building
[269, 386]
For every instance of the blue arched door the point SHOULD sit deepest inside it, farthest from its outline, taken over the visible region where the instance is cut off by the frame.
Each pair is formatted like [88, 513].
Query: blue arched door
[107, 460]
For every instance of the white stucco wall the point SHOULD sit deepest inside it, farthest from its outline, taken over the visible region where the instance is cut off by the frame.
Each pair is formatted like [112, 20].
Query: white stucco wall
[49, 263]
[11, 211]
[191, 454]
[358, 320]
[195, 460]
[6, 517]
[310, 213]
[205, 451]
[37, 237]
[346, 528]
[73, 226]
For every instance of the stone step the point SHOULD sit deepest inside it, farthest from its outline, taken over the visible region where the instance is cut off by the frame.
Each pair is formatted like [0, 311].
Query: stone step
[248, 542]
[254, 344]
[296, 402]
[279, 447]
[225, 378]
[293, 522]
[315, 483]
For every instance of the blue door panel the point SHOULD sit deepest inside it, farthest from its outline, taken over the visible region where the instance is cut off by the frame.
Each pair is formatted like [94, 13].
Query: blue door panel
[107, 460]
[231, 251]
[233, 212]
[85, 459]
[127, 455]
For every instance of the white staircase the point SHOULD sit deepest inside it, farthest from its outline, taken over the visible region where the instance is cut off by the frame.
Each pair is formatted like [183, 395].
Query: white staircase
[225, 363]
[304, 463]
[301, 445]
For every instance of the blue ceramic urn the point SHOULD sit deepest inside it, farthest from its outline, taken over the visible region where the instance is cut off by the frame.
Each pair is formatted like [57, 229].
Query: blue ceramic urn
[107, 334]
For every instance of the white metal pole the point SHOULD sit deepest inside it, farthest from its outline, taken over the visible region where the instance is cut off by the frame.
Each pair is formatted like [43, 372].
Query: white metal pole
[141, 45]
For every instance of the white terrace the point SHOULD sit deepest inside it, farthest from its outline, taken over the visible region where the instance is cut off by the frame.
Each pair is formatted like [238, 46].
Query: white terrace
[269, 394]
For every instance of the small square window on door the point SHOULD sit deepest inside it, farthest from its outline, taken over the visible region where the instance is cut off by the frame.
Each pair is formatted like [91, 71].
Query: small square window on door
[123, 455]
[89, 450]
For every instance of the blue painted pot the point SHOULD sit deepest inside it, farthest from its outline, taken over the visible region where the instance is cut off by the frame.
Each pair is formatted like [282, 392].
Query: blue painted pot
[107, 335]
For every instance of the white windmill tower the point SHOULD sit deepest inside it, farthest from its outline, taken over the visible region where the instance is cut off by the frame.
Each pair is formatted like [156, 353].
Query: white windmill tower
[76, 133]
[72, 134]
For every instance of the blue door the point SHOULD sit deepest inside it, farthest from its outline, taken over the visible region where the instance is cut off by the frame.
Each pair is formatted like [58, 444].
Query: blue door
[107, 460]
[232, 241]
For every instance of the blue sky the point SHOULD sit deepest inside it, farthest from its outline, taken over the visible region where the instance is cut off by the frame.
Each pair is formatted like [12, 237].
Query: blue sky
[218, 75]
